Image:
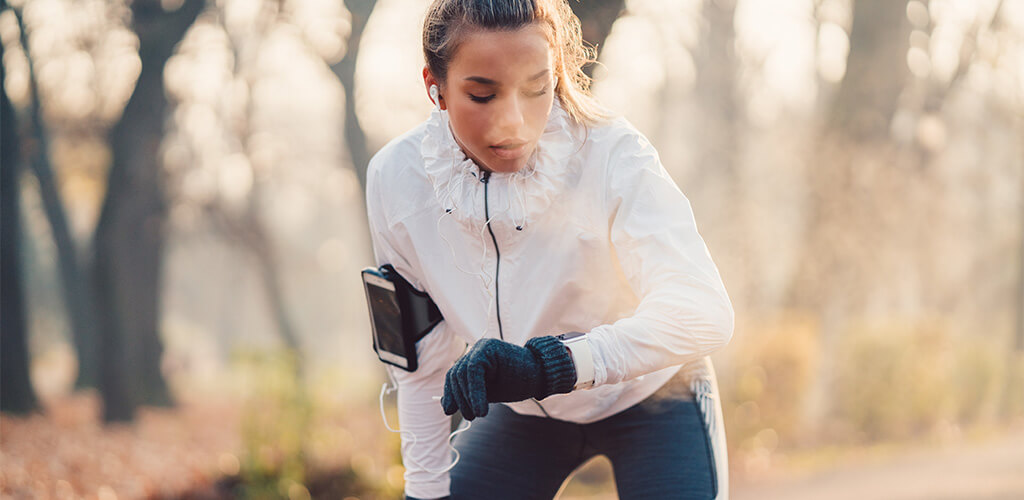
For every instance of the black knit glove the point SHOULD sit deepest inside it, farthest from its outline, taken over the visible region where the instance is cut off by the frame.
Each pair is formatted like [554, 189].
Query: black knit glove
[495, 371]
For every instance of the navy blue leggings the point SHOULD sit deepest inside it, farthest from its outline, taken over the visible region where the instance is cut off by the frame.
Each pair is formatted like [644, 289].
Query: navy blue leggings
[659, 449]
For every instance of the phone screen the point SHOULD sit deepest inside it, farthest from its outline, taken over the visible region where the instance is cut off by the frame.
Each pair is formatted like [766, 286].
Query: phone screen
[387, 324]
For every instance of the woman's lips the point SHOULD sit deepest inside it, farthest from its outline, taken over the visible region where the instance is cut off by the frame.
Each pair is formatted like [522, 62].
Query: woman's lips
[509, 152]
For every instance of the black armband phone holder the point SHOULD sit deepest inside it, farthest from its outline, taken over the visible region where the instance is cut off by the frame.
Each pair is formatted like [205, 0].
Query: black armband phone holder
[419, 312]
[397, 329]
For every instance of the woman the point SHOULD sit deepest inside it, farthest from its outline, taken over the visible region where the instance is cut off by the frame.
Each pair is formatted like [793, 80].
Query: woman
[559, 250]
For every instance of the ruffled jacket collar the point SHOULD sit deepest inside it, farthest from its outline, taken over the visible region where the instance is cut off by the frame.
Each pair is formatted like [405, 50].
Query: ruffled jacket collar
[514, 199]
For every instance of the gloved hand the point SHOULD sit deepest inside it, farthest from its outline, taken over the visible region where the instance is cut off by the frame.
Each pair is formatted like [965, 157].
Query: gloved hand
[496, 371]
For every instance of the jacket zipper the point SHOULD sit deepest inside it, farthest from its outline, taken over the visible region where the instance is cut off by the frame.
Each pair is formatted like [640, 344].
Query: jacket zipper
[485, 178]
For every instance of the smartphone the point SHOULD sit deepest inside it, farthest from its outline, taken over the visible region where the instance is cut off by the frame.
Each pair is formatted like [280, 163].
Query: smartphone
[386, 321]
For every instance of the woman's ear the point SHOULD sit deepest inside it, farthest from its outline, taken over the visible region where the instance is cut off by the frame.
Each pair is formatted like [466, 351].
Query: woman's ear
[433, 89]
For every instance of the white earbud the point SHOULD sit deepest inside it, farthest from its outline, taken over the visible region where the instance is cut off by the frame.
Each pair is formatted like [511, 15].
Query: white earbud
[435, 95]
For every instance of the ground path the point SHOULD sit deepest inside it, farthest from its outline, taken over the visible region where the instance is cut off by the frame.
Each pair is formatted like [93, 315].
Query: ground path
[992, 468]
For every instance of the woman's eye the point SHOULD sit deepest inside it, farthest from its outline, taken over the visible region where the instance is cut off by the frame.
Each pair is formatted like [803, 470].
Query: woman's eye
[476, 98]
[538, 93]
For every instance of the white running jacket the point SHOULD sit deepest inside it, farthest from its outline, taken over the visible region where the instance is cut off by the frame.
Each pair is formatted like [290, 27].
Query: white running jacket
[591, 236]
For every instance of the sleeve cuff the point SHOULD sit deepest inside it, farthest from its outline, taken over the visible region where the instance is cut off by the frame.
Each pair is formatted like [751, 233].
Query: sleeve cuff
[597, 350]
[559, 372]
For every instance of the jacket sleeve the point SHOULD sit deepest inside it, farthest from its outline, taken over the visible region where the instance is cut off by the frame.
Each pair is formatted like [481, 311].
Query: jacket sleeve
[424, 425]
[684, 312]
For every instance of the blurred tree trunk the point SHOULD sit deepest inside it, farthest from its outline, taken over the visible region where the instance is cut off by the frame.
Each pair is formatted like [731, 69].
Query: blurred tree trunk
[77, 299]
[842, 230]
[857, 123]
[596, 20]
[249, 232]
[876, 71]
[1019, 343]
[129, 234]
[268, 264]
[16, 395]
[719, 138]
[345, 70]
[1010, 400]
[246, 228]
[716, 88]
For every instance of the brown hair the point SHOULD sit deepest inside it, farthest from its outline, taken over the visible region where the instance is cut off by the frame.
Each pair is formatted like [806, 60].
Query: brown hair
[447, 20]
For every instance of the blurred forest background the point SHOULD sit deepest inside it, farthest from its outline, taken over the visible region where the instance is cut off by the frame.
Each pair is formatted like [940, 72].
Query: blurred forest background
[183, 224]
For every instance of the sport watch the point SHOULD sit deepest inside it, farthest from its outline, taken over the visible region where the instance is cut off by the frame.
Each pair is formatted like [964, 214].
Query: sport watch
[579, 350]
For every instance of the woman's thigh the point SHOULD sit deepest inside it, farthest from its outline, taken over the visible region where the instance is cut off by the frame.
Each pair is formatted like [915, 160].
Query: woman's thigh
[658, 449]
[507, 455]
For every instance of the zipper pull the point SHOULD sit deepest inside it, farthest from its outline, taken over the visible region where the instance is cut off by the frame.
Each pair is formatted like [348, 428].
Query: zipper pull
[485, 177]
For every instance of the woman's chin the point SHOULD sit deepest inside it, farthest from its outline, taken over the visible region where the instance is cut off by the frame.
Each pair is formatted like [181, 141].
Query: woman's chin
[506, 169]
[506, 166]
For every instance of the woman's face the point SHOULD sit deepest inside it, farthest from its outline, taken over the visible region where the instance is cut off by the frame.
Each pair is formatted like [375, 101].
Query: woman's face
[498, 95]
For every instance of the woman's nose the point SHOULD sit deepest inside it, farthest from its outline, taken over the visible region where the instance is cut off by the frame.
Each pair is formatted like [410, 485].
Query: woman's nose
[510, 117]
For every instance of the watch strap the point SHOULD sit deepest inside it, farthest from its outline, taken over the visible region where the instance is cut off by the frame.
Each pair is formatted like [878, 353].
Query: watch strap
[582, 356]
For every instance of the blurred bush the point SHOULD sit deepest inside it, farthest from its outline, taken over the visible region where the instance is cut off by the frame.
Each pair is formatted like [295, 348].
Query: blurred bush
[980, 373]
[764, 393]
[895, 380]
[1013, 400]
[274, 427]
[285, 429]
[904, 378]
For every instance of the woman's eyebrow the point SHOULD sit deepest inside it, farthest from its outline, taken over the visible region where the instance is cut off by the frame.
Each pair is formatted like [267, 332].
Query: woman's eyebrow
[488, 81]
[538, 75]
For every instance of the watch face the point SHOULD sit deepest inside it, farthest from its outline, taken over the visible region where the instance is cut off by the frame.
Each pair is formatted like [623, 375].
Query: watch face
[570, 336]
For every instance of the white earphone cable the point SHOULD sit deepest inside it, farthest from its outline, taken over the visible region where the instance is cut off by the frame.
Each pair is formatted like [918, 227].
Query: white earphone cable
[385, 390]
